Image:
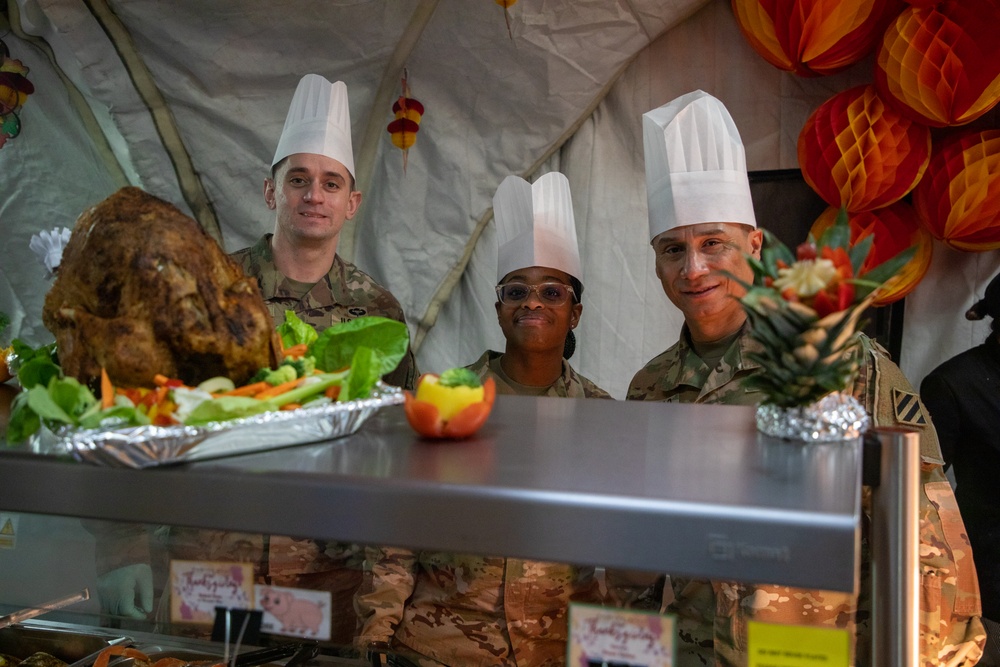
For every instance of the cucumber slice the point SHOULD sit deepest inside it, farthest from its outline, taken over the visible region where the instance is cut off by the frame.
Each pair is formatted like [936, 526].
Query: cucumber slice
[217, 385]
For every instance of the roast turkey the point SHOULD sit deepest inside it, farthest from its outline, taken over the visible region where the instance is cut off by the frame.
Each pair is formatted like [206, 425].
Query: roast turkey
[142, 290]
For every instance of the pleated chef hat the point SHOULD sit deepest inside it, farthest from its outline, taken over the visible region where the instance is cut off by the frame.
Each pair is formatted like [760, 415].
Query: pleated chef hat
[535, 225]
[318, 121]
[696, 170]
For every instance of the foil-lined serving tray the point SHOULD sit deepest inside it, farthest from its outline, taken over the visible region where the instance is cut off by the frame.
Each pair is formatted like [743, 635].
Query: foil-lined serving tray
[149, 446]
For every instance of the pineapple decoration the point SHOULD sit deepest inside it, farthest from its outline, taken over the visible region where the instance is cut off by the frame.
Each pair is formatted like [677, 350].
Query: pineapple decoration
[506, 4]
[804, 310]
[408, 113]
[14, 91]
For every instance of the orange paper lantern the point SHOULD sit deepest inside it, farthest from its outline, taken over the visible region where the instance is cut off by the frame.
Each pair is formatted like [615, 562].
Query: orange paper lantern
[941, 65]
[814, 37]
[894, 228]
[859, 154]
[959, 197]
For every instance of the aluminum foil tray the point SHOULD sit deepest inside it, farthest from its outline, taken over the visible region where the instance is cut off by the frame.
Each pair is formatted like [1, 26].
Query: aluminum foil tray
[149, 446]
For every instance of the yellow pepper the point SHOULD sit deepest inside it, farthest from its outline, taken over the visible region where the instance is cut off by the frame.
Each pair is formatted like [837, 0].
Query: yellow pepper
[453, 405]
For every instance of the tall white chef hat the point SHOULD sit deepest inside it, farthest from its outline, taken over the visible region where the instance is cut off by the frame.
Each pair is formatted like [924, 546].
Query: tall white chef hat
[535, 225]
[696, 170]
[318, 121]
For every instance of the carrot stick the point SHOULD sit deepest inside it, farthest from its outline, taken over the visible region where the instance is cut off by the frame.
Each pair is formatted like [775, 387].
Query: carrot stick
[296, 350]
[290, 406]
[277, 389]
[107, 390]
[247, 389]
[160, 380]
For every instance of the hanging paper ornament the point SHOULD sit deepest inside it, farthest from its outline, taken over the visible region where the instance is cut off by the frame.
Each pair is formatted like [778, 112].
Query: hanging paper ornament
[814, 37]
[14, 91]
[408, 112]
[895, 228]
[859, 154]
[506, 4]
[958, 198]
[941, 65]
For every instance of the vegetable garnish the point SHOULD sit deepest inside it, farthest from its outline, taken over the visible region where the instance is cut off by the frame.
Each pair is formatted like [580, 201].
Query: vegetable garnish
[343, 363]
[453, 405]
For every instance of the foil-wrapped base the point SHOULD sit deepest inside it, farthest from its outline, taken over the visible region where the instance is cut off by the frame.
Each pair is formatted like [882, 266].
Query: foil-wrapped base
[836, 416]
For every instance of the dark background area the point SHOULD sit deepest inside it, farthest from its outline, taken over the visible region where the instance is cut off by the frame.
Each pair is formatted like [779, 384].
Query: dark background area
[786, 206]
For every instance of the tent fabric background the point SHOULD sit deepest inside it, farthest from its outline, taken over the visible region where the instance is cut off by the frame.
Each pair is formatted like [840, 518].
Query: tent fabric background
[566, 92]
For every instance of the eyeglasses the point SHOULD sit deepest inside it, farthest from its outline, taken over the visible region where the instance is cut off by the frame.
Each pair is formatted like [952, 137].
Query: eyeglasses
[551, 294]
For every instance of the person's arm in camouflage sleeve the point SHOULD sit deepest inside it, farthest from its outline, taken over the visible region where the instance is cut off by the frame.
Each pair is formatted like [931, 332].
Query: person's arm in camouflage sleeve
[390, 576]
[951, 632]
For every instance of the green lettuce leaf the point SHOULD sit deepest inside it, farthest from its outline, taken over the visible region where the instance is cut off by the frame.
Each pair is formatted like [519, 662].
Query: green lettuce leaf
[295, 332]
[225, 408]
[335, 347]
[35, 366]
[365, 372]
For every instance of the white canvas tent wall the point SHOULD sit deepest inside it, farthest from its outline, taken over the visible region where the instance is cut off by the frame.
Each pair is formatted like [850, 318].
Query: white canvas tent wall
[186, 100]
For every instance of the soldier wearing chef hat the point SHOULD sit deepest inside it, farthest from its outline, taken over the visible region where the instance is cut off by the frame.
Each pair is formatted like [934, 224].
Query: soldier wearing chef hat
[538, 290]
[441, 608]
[702, 228]
[312, 191]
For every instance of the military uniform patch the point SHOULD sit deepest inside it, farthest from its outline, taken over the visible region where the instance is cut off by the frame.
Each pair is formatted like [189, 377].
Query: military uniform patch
[907, 407]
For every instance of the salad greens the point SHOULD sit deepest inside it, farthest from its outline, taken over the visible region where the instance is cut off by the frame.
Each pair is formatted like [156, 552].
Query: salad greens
[334, 348]
[352, 356]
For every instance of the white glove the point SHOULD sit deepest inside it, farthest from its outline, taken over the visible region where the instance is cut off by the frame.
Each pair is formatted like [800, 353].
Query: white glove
[48, 245]
[119, 591]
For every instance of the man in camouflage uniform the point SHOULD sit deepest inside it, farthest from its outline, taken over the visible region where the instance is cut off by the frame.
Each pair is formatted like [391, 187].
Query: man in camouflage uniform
[344, 293]
[452, 609]
[312, 192]
[698, 251]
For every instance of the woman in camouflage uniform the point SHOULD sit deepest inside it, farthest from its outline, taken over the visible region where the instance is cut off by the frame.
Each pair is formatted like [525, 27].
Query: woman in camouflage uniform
[454, 609]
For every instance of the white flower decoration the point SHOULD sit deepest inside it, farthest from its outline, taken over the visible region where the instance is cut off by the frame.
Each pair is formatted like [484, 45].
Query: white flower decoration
[48, 245]
[808, 277]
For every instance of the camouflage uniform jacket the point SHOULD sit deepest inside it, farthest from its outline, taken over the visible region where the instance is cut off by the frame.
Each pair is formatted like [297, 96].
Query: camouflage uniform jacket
[344, 294]
[712, 616]
[471, 610]
[569, 385]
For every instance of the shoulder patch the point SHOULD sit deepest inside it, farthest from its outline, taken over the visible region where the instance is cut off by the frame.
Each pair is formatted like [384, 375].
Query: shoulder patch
[907, 407]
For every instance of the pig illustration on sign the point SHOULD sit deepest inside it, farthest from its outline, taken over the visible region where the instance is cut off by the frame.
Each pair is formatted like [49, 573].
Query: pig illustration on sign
[296, 615]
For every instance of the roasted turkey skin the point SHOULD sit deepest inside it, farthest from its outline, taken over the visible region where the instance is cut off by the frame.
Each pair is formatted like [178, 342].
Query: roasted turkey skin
[142, 290]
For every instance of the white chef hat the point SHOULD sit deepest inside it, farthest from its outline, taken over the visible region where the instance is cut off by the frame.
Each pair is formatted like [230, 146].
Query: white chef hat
[696, 169]
[318, 121]
[535, 225]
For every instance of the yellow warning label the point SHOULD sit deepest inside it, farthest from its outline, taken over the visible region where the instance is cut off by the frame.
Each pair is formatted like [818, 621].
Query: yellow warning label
[8, 531]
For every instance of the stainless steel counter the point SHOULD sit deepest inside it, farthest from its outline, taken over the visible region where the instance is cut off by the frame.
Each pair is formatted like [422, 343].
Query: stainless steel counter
[688, 489]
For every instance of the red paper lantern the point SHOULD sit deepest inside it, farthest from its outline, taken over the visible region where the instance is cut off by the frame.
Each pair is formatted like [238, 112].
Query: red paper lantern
[814, 37]
[941, 65]
[959, 197]
[895, 228]
[859, 154]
